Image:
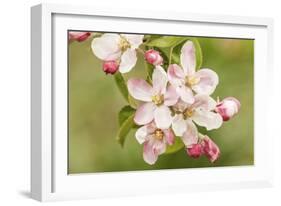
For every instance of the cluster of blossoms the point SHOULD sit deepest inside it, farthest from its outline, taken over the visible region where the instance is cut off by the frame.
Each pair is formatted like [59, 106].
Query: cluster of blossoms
[174, 103]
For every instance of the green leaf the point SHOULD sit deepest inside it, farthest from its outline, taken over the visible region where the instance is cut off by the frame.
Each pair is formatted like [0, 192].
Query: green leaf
[175, 147]
[125, 128]
[121, 84]
[125, 113]
[166, 41]
[198, 52]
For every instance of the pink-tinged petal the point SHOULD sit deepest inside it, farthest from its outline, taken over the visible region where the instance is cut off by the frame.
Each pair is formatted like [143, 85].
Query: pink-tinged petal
[150, 156]
[195, 150]
[169, 136]
[140, 89]
[176, 75]
[163, 117]
[210, 120]
[128, 60]
[204, 102]
[159, 80]
[190, 136]
[181, 106]
[179, 125]
[207, 83]
[228, 108]
[110, 67]
[135, 40]
[188, 58]
[211, 150]
[106, 47]
[144, 113]
[79, 36]
[152, 149]
[171, 96]
[186, 94]
[143, 132]
[153, 57]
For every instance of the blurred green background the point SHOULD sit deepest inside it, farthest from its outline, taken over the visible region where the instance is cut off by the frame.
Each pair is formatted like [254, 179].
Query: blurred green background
[94, 103]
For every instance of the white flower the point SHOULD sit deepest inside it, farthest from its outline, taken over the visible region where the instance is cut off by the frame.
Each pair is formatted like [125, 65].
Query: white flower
[154, 141]
[121, 48]
[185, 78]
[157, 99]
[201, 112]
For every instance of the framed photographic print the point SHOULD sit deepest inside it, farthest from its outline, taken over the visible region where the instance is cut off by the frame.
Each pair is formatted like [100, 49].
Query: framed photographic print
[135, 102]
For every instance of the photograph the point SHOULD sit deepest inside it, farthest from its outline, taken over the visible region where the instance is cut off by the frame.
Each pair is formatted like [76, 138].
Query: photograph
[141, 102]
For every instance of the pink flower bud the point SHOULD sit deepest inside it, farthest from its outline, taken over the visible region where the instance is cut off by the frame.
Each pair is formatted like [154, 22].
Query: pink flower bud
[110, 67]
[195, 151]
[210, 149]
[78, 36]
[153, 57]
[228, 107]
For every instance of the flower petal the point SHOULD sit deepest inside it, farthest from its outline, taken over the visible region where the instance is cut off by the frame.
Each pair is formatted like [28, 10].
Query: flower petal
[190, 136]
[181, 106]
[151, 149]
[188, 58]
[135, 40]
[144, 113]
[179, 125]
[162, 117]
[210, 120]
[150, 156]
[128, 61]
[140, 89]
[159, 80]
[208, 81]
[169, 135]
[176, 75]
[186, 94]
[106, 47]
[204, 102]
[171, 96]
[143, 132]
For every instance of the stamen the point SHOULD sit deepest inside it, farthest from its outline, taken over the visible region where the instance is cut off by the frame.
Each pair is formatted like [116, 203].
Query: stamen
[158, 134]
[188, 113]
[124, 44]
[191, 80]
[158, 99]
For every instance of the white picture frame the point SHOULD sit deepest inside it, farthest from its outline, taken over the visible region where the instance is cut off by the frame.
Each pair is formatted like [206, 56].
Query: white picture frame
[49, 178]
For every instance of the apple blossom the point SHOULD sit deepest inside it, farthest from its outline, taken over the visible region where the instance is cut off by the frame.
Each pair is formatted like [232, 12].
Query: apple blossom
[201, 112]
[186, 79]
[121, 48]
[110, 67]
[154, 141]
[78, 36]
[153, 57]
[228, 108]
[156, 98]
[211, 150]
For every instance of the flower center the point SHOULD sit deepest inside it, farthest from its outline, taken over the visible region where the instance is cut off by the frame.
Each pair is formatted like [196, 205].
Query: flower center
[158, 134]
[158, 99]
[188, 113]
[124, 44]
[191, 80]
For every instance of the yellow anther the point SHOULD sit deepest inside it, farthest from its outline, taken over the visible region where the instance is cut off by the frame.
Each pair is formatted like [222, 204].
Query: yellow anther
[188, 113]
[158, 99]
[191, 80]
[158, 134]
[124, 44]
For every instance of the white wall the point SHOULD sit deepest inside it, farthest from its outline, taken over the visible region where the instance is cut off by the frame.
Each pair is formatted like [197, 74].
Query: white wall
[14, 102]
